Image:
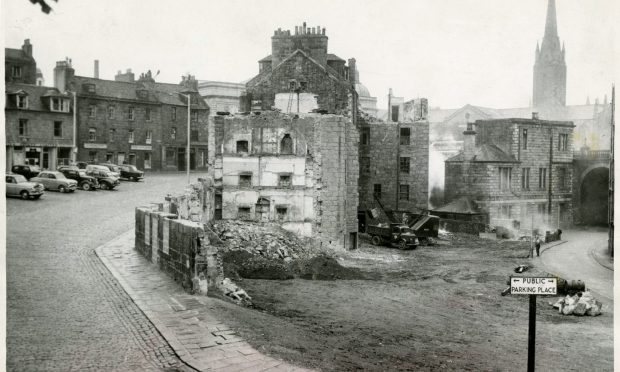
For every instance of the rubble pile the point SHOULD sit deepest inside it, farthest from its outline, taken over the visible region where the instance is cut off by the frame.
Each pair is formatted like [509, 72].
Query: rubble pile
[580, 304]
[269, 240]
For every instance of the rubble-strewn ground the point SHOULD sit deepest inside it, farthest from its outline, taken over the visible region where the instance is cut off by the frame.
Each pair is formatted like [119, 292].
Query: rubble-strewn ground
[433, 308]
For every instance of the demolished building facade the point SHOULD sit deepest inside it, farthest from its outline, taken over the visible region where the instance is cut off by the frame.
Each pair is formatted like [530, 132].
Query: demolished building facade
[300, 171]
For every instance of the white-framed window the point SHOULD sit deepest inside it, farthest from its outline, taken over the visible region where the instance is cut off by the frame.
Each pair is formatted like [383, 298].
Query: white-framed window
[22, 101]
[149, 137]
[92, 134]
[505, 178]
[525, 178]
[111, 134]
[130, 136]
[59, 104]
[110, 112]
[130, 113]
[23, 127]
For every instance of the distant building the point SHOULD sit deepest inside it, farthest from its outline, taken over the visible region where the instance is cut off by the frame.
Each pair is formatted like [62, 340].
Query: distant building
[221, 96]
[20, 65]
[139, 122]
[298, 171]
[517, 171]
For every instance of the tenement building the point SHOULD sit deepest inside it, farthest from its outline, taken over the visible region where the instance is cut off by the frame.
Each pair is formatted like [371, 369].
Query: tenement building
[137, 121]
[38, 119]
[516, 171]
[300, 171]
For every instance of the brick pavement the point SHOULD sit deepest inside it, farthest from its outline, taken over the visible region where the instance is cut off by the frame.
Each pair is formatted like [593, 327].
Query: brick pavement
[187, 322]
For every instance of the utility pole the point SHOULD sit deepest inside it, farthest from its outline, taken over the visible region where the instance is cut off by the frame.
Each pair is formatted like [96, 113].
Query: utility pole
[550, 174]
[74, 150]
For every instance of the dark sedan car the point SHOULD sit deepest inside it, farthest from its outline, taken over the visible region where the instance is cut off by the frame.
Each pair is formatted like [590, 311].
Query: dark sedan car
[130, 172]
[85, 182]
[25, 170]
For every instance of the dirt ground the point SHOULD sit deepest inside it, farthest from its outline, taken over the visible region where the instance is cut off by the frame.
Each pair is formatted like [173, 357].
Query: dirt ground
[433, 308]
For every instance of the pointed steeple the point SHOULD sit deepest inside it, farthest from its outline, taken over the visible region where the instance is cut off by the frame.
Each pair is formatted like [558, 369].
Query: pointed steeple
[551, 26]
[550, 65]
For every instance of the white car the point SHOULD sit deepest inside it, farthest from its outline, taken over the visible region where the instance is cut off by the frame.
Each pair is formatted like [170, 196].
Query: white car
[18, 185]
[53, 180]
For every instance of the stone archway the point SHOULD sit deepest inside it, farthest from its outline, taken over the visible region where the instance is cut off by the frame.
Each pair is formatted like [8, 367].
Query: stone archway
[594, 196]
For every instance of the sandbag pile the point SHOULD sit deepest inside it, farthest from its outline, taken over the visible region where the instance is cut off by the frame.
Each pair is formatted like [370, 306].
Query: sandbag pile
[580, 304]
[269, 240]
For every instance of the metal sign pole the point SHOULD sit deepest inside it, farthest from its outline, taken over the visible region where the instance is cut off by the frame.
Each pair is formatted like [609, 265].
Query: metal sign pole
[531, 336]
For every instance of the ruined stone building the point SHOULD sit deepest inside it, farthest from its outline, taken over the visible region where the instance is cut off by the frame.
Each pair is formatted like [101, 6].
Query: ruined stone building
[136, 121]
[38, 119]
[299, 171]
[221, 96]
[517, 171]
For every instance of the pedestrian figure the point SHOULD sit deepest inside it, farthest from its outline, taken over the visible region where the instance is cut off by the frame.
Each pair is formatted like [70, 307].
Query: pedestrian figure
[537, 245]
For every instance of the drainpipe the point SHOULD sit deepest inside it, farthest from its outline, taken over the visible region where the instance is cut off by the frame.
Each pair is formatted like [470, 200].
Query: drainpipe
[550, 173]
[74, 150]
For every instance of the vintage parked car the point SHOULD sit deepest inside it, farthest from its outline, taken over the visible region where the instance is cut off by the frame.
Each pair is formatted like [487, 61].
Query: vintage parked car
[113, 168]
[53, 180]
[85, 182]
[106, 180]
[130, 172]
[18, 185]
[25, 170]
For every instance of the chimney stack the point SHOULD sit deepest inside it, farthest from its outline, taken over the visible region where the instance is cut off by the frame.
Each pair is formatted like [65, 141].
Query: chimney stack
[534, 116]
[27, 47]
[352, 69]
[96, 69]
[469, 142]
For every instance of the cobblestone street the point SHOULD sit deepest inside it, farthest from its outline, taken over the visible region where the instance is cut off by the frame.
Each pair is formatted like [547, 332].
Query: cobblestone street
[65, 311]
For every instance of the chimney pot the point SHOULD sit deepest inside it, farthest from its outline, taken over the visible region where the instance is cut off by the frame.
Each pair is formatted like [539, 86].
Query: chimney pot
[534, 116]
[96, 69]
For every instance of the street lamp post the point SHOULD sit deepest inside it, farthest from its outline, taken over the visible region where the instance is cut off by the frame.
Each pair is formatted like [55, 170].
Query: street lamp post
[189, 99]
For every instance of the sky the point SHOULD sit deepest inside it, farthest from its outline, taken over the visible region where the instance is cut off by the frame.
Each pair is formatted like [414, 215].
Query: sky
[452, 52]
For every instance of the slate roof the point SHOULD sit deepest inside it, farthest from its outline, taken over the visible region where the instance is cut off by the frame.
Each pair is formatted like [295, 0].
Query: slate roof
[333, 57]
[462, 205]
[11, 53]
[485, 153]
[266, 74]
[157, 92]
[35, 94]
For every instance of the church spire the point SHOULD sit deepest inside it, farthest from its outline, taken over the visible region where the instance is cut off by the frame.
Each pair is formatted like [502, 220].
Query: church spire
[551, 26]
[550, 65]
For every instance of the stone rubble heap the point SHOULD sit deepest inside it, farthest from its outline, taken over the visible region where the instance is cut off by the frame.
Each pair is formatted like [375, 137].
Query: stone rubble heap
[582, 303]
[269, 240]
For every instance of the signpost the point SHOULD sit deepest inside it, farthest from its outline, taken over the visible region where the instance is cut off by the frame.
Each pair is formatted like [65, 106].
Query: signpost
[533, 286]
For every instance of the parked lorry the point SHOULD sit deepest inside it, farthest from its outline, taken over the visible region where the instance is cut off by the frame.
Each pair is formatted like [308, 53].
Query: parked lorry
[396, 234]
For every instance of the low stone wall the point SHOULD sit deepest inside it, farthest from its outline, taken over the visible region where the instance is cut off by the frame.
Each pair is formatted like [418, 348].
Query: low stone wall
[172, 235]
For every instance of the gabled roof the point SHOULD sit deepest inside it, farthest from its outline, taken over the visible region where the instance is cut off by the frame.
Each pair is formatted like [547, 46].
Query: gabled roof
[333, 57]
[462, 205]
[11, 53]
[485, 153]
[35, 94]
[263, 76]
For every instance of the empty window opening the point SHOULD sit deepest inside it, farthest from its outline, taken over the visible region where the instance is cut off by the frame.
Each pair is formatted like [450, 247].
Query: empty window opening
[281, 213]
[284, 180]
[377, 190]
[245, 180]
[242, 147]
[365, 136]
[403, 192]
[505, 178]
[405, 136]
[286, 145]
[524, 139]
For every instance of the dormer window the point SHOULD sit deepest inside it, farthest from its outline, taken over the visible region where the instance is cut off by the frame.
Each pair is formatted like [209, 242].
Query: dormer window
[88, 88]
[21, 101]
[58, 104]
[142, 93]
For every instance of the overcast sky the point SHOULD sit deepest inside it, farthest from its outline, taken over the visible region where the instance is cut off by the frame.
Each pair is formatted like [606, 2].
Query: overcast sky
[451, 51]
